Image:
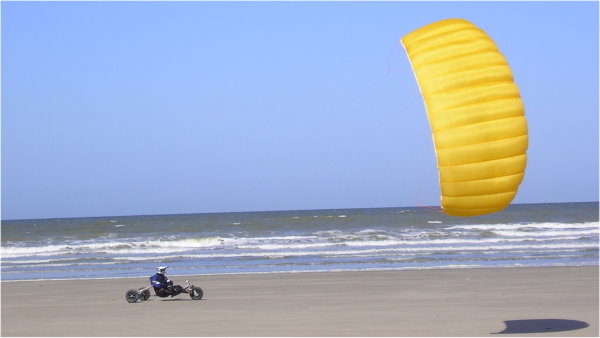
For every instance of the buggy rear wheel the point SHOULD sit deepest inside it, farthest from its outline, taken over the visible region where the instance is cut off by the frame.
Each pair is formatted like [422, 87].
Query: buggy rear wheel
[144, 295]
[132, 296]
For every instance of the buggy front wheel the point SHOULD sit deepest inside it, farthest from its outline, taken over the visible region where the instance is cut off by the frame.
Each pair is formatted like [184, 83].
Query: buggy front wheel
[196, 293]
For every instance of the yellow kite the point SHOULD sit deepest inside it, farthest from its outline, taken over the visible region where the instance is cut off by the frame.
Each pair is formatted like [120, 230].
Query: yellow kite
[475, 112]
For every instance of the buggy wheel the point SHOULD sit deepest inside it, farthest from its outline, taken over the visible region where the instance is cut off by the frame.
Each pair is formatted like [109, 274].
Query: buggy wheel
[132, 296]
[196, 293]
[144, 295]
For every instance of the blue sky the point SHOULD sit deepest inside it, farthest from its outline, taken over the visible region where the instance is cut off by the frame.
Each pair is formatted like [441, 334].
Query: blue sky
[114, 108]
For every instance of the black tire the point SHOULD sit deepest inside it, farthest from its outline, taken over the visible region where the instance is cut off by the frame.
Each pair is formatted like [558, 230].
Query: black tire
[131, 296]
[196, 293]
[144, 295]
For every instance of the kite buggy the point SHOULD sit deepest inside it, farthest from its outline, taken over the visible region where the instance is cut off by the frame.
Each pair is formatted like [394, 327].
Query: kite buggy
[143, 294]
[163, 287]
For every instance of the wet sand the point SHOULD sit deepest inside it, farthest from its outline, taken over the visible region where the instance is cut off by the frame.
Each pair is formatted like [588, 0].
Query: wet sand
[556, 301]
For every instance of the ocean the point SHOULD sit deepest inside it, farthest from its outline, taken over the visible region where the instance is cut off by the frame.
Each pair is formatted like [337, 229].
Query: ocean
[525, 235]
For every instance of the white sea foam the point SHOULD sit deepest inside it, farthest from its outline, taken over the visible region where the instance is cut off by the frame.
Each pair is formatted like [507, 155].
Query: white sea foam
[286, 246]
[37, 261]
[294, 242]
[546, 233]
[322, 239]
[392, 253]
[130, 246]
[533, 226]
[374, 251]
[370, 231]
[404, 250]
[17, 251]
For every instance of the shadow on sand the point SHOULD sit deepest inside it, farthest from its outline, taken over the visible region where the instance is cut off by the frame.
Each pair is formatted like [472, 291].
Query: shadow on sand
[541, 325]
[180, 300]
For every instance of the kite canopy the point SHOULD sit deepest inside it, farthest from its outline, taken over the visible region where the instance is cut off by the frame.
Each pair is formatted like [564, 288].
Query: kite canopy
[475, 112]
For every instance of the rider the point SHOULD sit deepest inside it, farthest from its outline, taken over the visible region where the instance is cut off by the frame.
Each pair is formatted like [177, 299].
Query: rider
[163, 287]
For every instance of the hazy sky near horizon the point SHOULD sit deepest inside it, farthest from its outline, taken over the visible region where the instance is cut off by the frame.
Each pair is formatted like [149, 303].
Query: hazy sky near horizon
[129, 108]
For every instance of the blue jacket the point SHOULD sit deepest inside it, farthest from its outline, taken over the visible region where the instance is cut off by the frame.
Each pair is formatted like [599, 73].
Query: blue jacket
[159, 281]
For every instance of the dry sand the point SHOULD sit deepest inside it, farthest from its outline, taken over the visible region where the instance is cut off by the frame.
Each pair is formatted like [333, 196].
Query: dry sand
[462, 302]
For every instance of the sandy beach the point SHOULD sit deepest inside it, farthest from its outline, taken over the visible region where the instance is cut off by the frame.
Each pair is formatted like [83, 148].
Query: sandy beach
[556, 301]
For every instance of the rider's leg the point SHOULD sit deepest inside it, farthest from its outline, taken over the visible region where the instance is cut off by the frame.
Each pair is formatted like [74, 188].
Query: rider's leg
[177, 289]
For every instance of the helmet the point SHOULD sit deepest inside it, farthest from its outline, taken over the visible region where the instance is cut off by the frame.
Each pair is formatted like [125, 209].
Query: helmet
[161, 270]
